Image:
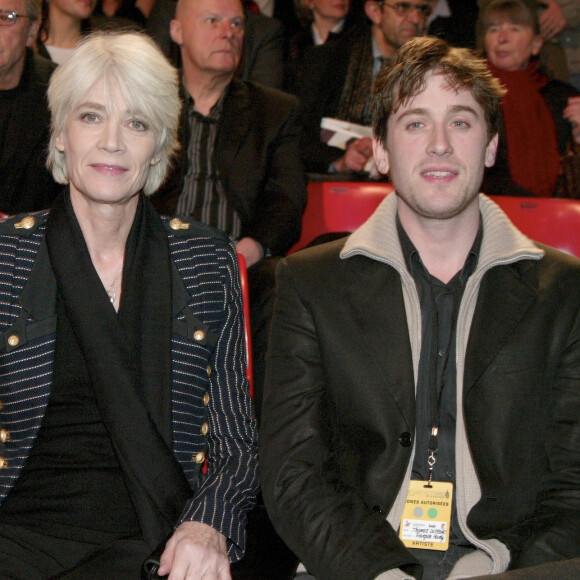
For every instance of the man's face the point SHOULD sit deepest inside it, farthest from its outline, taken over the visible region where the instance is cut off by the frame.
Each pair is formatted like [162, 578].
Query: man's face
[398, 21]
[437, 148]
[210, 34]
[14, 40]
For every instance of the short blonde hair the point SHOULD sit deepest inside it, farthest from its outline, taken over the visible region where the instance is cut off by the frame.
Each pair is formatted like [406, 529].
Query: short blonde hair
[147, 81]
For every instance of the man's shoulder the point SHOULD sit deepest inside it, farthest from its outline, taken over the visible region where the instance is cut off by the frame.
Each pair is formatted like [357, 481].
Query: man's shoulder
[258, 94]
[43, 67]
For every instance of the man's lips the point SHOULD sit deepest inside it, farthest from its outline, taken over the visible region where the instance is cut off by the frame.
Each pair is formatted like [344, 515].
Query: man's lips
[108, 168]
[439, 174]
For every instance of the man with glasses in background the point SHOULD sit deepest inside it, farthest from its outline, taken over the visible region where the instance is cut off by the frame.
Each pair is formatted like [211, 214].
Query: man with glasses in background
[338, 80]
[26, 184]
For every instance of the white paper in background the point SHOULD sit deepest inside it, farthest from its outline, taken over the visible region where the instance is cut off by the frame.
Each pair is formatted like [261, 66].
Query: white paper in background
[338, 133]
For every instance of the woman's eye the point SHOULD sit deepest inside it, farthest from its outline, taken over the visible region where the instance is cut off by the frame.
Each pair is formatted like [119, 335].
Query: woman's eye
[138, 125]
[90, 117]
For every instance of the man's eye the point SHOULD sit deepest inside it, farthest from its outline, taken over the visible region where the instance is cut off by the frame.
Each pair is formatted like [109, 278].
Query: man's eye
[415, 125]
[460, 124]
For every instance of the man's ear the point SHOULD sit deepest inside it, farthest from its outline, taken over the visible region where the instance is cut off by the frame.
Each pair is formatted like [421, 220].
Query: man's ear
[381, 156]
[175, 31]
[373, 11]
[32, 32]
[491, 150]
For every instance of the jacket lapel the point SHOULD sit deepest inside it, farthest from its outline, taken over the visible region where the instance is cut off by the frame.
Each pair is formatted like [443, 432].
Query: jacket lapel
[371, 299]
[505, 295]
[234, 127]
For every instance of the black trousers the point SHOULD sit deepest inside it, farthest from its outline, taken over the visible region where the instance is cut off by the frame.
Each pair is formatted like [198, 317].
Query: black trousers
[29, 555]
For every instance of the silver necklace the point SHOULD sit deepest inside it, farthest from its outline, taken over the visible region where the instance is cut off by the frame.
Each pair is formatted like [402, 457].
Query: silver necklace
[111, 292]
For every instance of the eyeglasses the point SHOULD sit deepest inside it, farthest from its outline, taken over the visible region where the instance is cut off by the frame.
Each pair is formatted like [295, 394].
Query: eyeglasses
[8, 18]
[405, 8]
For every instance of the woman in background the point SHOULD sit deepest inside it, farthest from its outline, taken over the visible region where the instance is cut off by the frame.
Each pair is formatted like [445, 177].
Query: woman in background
[64, 22]
[538, 122]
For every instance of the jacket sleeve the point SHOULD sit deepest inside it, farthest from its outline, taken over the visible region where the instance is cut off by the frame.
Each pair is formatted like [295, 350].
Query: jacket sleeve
[320, 517]
[227, 491]
[276, 221]
[554, 531]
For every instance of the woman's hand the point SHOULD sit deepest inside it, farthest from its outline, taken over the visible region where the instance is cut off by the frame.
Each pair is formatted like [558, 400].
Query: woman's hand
[196, 551]
[572, 113]
[552, 20]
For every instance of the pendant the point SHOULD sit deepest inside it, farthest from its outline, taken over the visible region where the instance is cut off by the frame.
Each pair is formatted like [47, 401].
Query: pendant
[112, 296]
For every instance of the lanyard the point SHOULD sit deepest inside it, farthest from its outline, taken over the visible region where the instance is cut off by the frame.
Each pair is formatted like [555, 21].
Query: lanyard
[435, 386]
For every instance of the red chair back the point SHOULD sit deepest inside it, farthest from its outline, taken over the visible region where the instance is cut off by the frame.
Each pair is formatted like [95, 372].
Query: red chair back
[247, 327]
[344, 206]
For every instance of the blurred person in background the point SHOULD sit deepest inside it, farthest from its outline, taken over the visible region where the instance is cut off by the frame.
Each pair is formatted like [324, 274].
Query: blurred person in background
[538, 116]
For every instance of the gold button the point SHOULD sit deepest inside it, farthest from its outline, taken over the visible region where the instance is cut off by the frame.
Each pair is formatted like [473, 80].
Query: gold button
[26, 223]
[177, 224]
[206, 399]
[199, 335]
[199, 457]
[208, 369]
[13, 340]
[5, 435]
[204, 428]
[3, 463]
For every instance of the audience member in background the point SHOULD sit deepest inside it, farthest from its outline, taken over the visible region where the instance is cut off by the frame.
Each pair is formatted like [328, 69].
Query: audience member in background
[561, 21]
[263, 52]
[323, 21]
[240, 168]
[115, 14]
[63, 24]
[26, 184]
[535, 133]
[338, 78]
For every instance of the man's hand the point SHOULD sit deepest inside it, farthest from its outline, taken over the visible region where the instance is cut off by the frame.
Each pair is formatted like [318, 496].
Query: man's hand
[358, 152]
[196, 551]
[552, 20]
[250, 249]
[572, 113]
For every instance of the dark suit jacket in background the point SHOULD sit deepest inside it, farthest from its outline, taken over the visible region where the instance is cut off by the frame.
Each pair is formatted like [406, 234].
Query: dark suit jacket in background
[323, 76]
[259, 164]
[25, 183]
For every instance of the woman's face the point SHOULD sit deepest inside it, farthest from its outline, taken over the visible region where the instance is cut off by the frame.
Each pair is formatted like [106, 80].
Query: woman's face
[76, 9]
[509, 46]
[329, 9]
[108, 148]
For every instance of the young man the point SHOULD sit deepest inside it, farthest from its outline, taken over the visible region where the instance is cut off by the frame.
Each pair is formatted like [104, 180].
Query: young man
[422, 393]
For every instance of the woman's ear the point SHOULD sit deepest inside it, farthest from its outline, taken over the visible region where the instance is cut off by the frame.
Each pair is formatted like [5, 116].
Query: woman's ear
[537, 44]
[59, 143]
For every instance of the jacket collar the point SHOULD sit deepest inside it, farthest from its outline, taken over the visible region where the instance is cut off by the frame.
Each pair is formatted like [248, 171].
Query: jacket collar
[502, 242]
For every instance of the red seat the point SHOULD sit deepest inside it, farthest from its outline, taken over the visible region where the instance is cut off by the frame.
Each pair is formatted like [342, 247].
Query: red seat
[247, 327]
[343, 206]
